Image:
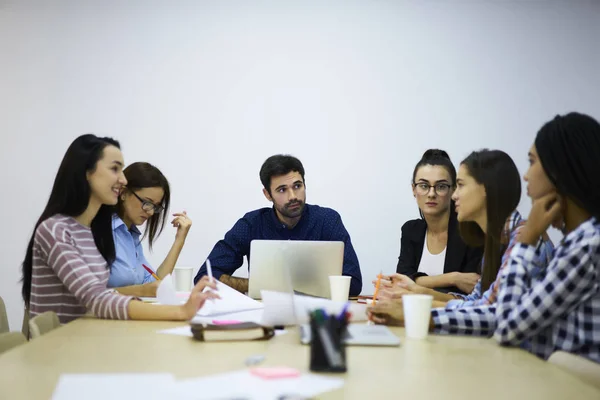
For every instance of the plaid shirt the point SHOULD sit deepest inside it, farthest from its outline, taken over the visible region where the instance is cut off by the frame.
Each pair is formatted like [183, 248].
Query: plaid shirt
[472, 314]
[560, 308]
[512, 227]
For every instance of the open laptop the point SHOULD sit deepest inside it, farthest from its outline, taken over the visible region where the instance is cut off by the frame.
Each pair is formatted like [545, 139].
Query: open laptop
[310, 263]
[359, 334]
[289, 306]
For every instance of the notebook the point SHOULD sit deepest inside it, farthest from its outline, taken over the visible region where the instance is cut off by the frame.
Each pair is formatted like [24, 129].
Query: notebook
[365, 299]
[231, 332]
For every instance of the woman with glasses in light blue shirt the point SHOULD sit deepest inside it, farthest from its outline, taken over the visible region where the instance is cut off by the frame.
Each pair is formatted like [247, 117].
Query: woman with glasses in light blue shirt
[145, 199]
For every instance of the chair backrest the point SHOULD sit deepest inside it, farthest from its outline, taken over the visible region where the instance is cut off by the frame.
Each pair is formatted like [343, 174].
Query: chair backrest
[583, 368]
[9, 340]
[43, 323]
[3, 318]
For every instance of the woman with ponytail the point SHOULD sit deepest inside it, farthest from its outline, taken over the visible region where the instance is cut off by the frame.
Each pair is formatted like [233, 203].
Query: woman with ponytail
[432, 252]
[558, 309]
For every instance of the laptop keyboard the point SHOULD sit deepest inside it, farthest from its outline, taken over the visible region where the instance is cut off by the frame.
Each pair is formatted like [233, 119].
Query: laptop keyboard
[306, 333]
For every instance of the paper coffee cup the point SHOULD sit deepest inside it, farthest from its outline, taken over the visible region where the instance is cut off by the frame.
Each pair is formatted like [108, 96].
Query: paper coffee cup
[339, 287]
[183, 278]
[417, 314]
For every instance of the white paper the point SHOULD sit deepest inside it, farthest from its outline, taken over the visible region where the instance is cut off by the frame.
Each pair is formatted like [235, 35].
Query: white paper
[244, 385]
[114, 386]
[231, 301]
[179, 331]
[222, 386]
[279, 310]
[154, 386]
[244, 316]
[166, 294]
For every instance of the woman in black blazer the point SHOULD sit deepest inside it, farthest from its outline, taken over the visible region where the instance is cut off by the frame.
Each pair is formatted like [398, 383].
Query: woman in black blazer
[447, 263]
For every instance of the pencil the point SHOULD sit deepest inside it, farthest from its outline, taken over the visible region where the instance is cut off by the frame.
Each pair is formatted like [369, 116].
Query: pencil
[151, 272]
[376, 288]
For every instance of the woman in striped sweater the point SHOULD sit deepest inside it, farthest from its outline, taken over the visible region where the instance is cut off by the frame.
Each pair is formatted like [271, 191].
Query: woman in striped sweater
[66, 267]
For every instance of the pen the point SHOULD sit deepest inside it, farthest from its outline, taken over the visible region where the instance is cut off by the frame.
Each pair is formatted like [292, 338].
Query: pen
[151, 272]
[209, 270]
[210, 275]
[344, 312]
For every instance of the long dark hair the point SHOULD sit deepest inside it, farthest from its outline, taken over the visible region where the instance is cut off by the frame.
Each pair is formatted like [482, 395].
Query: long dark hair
[497, 172]
[141, 175]
[70, 196]
[569, 150]
[436, 157]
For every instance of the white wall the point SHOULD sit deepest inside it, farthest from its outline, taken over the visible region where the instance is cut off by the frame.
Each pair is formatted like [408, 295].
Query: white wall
[208, 90]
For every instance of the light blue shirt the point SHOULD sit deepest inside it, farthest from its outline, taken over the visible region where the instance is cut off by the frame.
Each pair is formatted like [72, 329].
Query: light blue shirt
[127, 269]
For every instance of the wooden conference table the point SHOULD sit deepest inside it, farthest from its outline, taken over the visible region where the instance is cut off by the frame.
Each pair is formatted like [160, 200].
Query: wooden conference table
[440, 367]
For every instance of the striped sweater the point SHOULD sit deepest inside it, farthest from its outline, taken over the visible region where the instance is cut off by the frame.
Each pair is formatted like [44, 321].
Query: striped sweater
[69, 273]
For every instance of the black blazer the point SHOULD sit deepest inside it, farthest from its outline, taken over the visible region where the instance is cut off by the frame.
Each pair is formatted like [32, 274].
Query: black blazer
[459, 256]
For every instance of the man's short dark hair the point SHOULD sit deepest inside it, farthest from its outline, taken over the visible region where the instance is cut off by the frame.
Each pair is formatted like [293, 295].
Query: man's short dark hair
[277, 165]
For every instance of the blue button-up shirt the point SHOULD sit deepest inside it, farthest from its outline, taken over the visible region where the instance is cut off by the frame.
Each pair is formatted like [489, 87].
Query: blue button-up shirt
[316, 223]
[127, 269]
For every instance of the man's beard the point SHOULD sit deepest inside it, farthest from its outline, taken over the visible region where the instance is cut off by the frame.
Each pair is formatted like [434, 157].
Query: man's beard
[292, 213]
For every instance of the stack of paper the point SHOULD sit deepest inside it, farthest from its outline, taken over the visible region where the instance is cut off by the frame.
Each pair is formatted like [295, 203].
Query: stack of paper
[231, 301]
[242, 316]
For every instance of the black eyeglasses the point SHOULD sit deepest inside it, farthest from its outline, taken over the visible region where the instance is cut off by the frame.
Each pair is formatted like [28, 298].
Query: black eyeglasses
[441, 189]
[148, 205]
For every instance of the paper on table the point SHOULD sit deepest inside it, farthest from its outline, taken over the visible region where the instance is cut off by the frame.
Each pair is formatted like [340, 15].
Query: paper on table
[114, 386]
[244, 316]
[165, 294]
[279, 311]
[179, 331]
[231, 301]
[244, 385]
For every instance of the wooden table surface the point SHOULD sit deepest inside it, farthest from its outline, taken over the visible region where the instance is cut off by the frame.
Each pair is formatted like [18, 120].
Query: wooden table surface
[440, 367]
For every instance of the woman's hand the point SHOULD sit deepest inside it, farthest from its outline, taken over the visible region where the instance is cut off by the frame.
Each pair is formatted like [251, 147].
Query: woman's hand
[465, 281]
[198, 298]
[545, 211]
[394, 292]
[388, 281]
[400, 280]
[206, 282]
[398, 284]
[387, 312]
[149, 289]
[183, 223]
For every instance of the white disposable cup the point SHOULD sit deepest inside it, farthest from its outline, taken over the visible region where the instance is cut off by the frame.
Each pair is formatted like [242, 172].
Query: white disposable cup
[417, 314]
[339, 287]
[183, 278]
